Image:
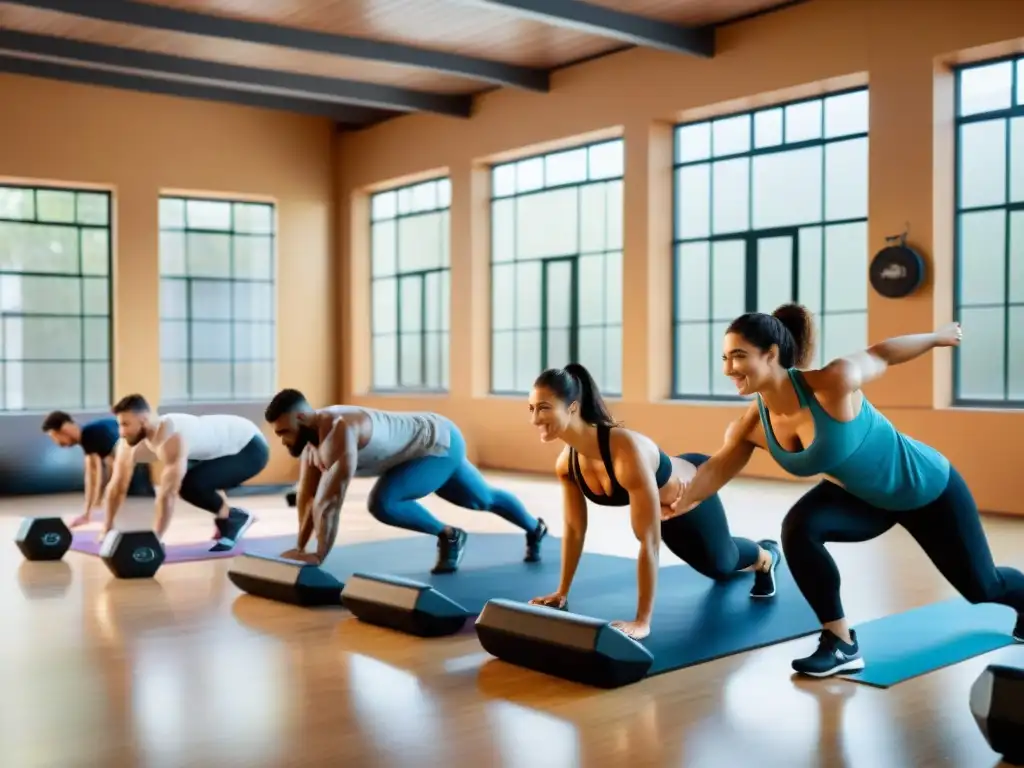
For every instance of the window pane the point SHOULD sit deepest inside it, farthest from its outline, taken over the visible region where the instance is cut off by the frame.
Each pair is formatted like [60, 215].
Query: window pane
[731, 199]
[787, 188]
[97, 385]
[254, 218]
[1016, 362]
[211, 299]
[38, 248]
[591, 295]
[613, 287]
[95, 252]
[17, 203]
[253, 380]
[721, 385]
[172, 254]
[93, 208]
[385, 306]
[846, 266]
[547, 224]
[503, 301]
[1017, 160]
[173, 380]
[432, 301]
[983, 164]
[446, 302]
[614, 214]
[803, 121]
[774, 272]
[420, 243]
[410, 305]
[503, 180]
[693, 142]
[606, 160]
[528, 295]
[612, 383]
[411, 345]
[503, 361]
[43, 338]
[846, 180]
[208, 214]
[42, 295]
[593, 218]
[528, 362]
[432, 360]
[252, 301]
[731, 135]
[981, 255]
[846, 114]
[384, 205]
[986, 88]
[591, 353]
[693, 201]
[212, 381]
[529, 174]
[693, 358]
[208, 255]
[253, 341]
[172, 213]
[385, 361]
[768, 128]
[1017, 261]
[41, 386]
[728, 279]
[56, 206]
[559, 294]
[811, 266]
[693, 281]
[210, 341]
[558, 353]
[254, 257]
[503, 230]
[174, 340]
[566, 167]
[95, 296]
[96, 336]
[982, 353]
[843, 334]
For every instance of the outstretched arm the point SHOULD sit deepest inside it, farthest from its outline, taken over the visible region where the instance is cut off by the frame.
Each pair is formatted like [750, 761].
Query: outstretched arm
[728, 462]
[338, 452]
[637, 477]
[574, 514]
[850, 373]
[93, 483]
[174, 454]
[309, 480]
[117, 488]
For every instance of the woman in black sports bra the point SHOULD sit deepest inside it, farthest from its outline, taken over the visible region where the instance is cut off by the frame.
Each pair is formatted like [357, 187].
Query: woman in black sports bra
[617, 467]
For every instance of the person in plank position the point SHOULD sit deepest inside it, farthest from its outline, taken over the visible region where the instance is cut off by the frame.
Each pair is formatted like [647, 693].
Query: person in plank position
[97, 439]
[818, 422]
[618, 467]
[202, 457]
[413, 455]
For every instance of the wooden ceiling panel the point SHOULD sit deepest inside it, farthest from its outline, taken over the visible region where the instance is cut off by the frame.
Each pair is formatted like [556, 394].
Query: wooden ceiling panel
[25, 19]
[450, 25]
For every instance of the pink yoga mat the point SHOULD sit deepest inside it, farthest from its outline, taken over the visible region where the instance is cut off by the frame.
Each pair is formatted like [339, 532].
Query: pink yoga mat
[88, 542]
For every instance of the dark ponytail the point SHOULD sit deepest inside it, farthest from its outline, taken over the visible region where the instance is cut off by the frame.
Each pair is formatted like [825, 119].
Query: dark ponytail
[575, 384]
[790, 328]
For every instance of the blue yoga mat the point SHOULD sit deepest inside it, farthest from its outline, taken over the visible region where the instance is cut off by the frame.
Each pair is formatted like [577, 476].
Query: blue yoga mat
[922, 640]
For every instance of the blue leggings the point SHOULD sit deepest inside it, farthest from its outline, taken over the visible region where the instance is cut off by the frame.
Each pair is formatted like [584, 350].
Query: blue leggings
[393, 499]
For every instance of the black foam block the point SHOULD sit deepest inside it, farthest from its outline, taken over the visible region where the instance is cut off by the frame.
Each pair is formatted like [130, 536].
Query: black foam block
[556, 642]
[286, 581]
[402, 604]
[997, 703]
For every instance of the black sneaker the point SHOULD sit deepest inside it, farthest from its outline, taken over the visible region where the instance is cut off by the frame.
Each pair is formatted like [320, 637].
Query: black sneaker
[832, 657]
[231, 529]
[1018, 631]
[764, 581]
[450, 550]
[533, 540]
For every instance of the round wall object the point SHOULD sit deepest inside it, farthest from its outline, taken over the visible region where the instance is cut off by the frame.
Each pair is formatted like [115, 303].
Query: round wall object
[897, 271]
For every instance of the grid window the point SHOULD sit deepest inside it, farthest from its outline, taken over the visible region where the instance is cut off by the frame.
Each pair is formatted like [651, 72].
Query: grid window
[989, 283]
[54, 299]
[556, 266]
[770, 207]
[217, 317]
[410, 278]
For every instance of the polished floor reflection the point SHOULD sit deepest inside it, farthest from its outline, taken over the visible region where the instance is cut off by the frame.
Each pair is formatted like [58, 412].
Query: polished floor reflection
[187, 671]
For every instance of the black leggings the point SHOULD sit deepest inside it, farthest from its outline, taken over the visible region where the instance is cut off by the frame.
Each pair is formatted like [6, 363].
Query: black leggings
[204, 478]
[948, 530]
[701, 537]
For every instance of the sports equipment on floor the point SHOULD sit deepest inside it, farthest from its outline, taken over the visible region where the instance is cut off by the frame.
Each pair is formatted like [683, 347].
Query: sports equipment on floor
[905, 645]
[997, 703]
[402, 604]
[43, 538]
[286, 581]
[132, 554]
[577, 648]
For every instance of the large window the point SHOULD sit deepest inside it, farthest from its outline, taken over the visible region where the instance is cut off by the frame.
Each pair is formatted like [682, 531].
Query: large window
[771, 207]
[989, 287]
[216, 300]
[54, 299]
[410, 271]
[556, 266]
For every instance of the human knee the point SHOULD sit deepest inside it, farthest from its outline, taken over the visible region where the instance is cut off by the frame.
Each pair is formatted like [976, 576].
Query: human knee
[798, 530]
[380, 506]
[982, 591]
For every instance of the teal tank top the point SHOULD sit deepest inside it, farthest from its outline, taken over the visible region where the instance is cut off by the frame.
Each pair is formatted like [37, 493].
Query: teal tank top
[874, 461]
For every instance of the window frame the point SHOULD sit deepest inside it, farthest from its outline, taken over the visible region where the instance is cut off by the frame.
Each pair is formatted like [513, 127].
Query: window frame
[572, 259]
[444, 372]
[751, 235]
[1006, 116]
[189, 361]
[80, 276]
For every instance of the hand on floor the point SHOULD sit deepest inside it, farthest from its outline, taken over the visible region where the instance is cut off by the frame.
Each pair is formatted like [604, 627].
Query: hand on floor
[634, 629]
[79, 521]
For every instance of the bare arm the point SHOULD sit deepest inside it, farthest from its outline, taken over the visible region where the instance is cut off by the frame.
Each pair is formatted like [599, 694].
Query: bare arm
[309, 480]
[174, 454]
[637, 477]
[850, 373]
[342, 448]
[93, 482]
[120, 478]
[574, 512]
[727, 462]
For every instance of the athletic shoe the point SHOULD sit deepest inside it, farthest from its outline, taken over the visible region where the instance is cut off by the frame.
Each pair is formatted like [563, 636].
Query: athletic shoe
[1018, 631]
[832, 657]
[533, 540]
[764, 581]
[450, 550]
[231, 529]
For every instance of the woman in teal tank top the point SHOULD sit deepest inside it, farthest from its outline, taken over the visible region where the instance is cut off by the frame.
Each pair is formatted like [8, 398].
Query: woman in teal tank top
[818, 422]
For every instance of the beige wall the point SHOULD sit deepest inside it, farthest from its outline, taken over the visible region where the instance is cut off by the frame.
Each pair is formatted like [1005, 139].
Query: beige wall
[139, 145]
[901, 47]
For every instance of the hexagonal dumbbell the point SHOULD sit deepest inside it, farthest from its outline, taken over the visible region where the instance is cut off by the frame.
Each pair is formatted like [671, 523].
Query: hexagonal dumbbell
[43, 538]
[132, 554]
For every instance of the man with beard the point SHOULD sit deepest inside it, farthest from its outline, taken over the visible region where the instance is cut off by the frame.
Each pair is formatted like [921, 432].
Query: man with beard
[202, 457]
[97, 440]
[413, 455]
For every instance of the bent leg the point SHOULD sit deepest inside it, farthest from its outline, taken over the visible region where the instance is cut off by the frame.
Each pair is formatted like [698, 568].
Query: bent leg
[394, 499]
[949, 531]
[701, 538]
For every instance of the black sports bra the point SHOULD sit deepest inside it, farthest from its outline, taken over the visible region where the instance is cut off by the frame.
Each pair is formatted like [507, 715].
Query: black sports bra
[619, 496]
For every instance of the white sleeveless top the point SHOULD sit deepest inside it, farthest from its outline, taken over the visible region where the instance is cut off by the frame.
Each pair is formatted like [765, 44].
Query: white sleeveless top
[205, 437]
[399, 437]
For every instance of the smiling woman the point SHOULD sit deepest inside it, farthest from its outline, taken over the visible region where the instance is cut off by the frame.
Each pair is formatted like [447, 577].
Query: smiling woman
[616, 467]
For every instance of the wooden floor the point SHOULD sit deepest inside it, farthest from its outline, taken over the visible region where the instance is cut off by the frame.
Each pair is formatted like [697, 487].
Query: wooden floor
[187, 671]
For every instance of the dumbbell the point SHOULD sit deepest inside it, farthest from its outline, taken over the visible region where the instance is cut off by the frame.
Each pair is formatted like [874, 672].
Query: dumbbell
[997, 703]
[43, 538]
[132, 554]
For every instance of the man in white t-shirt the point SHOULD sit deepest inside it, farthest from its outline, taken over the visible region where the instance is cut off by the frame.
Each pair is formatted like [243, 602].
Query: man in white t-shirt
[202, 457]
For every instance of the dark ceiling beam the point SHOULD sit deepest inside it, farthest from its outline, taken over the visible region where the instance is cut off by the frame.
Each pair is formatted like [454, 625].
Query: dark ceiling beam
[342, 113]
[612, 24]
[191, 22]
[243, 78]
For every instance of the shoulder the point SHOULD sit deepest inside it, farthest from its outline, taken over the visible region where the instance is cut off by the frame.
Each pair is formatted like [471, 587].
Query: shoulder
[836, 379]
[562, 463]
[633, 456]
